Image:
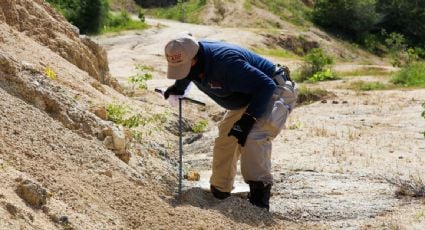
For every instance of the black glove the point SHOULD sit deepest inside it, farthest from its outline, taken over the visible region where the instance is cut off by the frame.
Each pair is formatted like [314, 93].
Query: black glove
[286, 72]
[173, 90]
[241, 128]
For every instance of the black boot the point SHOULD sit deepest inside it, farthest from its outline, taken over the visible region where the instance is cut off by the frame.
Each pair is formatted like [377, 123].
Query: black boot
[259, 194]
[219, 194]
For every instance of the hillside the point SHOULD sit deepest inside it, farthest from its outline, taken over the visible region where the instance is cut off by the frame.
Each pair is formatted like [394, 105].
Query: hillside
[64, 165]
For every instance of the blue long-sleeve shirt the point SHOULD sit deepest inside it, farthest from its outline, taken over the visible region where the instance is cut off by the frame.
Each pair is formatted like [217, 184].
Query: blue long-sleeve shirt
[235, 77]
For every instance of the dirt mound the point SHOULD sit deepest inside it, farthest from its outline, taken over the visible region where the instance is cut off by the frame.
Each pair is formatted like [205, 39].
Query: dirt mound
[37, 20]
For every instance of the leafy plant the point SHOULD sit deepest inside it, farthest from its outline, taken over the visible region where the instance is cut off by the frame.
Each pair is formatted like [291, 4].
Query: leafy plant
[187, 11]
[118, 114]
[315, 62]
[88, 15]
[200, 126]
[116, 22]
[324, 75]
[50, 73]
[353, 17]
[411, 76]
[139, 80]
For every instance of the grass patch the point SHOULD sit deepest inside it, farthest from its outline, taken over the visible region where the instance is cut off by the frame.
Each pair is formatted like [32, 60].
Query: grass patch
[121, 21]
[188, 11]
[411, 76]
[368, 71]
[367, 86]
[280, 53]
[289, 10]
[309, 95]
[200, 126]
[414, 186]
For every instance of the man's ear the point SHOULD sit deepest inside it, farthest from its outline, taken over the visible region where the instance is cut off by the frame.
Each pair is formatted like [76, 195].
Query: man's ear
[193, 62]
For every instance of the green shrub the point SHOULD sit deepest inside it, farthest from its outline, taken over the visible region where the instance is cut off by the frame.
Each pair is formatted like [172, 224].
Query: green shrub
[315, 62]
[200, 126]
[187, 11]
[119, 114]
[317, 59]
[121, 21]
[353, 17]
[139, 80]
[142, 15]
[411, 76]
[88, 15]
[324, 75]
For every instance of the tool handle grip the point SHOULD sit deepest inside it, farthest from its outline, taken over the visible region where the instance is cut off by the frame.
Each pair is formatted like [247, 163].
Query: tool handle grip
[183, 98]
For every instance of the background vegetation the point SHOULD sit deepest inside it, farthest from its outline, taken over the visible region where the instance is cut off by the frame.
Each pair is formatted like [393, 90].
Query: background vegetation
[94, 16]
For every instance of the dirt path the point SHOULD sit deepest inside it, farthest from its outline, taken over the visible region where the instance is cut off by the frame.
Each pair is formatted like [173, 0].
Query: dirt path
[331, 163]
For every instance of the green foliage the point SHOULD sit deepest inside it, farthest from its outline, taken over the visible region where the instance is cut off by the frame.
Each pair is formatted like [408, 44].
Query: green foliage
[122, 21]
[346, 15]
[119, 114]
[362, 21]
[187, 11]
[367, 86]
[200, 126]
[142, 15]
[324, 75]
[318, 59]
[412, 75]
[405, 17]
[88, 15]
[294, 11]
[140, 79]
[315, 62]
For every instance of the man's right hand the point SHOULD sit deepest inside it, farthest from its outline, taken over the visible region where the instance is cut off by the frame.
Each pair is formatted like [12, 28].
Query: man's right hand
[172, 90]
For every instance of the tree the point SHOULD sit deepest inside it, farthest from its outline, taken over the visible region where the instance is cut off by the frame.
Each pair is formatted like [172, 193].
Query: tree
[88, 15]
[404, 16]
[353, 17]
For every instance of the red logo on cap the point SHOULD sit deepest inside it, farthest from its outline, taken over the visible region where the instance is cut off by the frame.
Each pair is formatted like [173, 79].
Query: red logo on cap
[176, 58]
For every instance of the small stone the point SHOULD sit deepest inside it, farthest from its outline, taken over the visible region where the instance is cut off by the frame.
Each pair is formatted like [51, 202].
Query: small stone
[11, 209]
[45, 209]
[335, 102]
[63, 220]
[107, 173]
[108, 142]
[324, 101]
[192, 176]
[400, 157]
[124, 156]
[344, 102]
[32, 193]
[100, 111]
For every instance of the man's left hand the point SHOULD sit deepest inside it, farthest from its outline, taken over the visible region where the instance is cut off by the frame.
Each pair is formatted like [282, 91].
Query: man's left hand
[241, 128]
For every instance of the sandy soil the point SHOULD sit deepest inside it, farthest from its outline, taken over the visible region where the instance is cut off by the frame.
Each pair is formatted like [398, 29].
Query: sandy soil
[332, 161]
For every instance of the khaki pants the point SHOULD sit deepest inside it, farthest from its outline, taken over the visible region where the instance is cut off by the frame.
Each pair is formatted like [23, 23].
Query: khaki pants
[255, 156]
